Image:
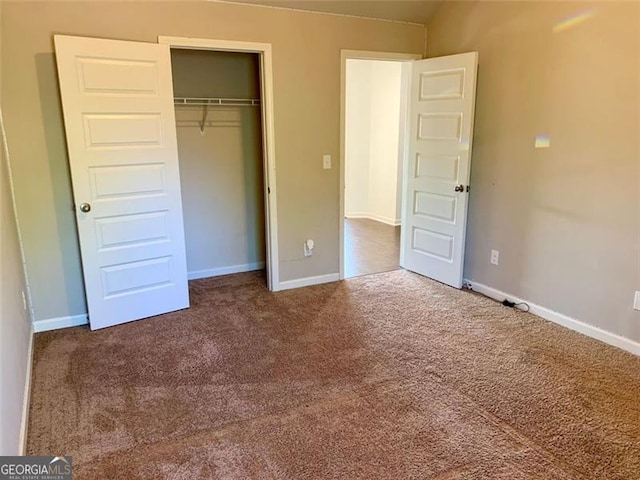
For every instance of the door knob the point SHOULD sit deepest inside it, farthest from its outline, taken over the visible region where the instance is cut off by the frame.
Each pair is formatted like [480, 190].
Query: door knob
[85, 207]
[459, 188]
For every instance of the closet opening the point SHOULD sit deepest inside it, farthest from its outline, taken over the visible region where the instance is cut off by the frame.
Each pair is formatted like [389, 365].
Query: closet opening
[219, 124]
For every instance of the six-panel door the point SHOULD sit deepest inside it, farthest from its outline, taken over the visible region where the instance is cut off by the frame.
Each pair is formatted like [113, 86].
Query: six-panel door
[117, 100]
[435, 193]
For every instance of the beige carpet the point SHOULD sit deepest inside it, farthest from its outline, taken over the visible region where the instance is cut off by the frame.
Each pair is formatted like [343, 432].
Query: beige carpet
[388, 376]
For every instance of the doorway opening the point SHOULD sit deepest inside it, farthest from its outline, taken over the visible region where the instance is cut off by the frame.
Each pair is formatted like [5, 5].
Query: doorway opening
[374, 116]
[372, 213]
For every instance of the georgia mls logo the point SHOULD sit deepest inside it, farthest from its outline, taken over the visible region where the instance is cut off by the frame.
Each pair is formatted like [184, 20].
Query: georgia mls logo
[58, 459]
[35, 468]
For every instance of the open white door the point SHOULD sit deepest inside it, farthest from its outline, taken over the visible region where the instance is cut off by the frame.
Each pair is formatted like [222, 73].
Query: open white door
[441, 109]
[117, 99]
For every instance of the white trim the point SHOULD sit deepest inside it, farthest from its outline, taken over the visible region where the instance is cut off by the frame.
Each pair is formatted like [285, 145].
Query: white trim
[371, 55]
[60, 322]
[216, 272]
[404, 152]
[394, 222]
[268, 134]
[559, 318]
[191, 43]
[300, 10]
[26, 398]
[344, 56]
[308, 281]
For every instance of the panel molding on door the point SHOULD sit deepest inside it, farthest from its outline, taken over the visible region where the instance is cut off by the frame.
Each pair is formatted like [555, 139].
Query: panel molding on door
[441, 110]
[117, 99]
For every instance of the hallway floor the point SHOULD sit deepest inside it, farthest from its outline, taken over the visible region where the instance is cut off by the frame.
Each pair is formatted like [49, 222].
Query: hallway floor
[370, 247]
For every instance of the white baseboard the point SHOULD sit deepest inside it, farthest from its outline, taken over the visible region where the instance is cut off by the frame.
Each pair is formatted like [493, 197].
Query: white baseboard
[26, 399]
[561, 319]
[308, 281]
[394, 222]
[75, 320]
[59, 322]
[216, 272]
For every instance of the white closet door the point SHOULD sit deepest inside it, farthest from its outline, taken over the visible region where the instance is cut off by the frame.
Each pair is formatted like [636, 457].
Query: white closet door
[117, 99]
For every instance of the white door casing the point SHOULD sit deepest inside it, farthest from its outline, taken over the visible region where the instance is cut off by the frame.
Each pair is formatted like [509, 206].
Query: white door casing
[435, 193]
[117, 100]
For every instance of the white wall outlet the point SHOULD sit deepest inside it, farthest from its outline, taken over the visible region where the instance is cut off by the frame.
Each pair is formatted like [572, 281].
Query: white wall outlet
[636, 301]
[326, 162]
[308, 248]
[495, 257]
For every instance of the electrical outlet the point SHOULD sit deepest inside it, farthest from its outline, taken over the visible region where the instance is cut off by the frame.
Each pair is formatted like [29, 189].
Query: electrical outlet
[495, 257]
[326, 162]
[308, 248]
[636, 301]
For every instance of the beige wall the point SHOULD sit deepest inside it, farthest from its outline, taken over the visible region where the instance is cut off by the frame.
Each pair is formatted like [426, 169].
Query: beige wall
[306, 66]
[220, 169]
[565, 219]
[15, 329]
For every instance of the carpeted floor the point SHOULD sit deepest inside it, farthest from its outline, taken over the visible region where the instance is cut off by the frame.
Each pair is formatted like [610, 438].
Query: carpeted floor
[388, 376]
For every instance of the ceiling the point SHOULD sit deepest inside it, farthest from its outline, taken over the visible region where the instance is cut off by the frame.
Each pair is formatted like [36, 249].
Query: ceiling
[414, 11]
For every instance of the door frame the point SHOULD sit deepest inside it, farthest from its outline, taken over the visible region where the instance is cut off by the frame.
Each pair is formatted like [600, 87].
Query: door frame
[402, 150]
[268, 134]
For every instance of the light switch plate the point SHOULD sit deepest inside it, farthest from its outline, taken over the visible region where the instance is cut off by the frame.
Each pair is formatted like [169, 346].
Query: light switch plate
[636, 301]
[326, 162]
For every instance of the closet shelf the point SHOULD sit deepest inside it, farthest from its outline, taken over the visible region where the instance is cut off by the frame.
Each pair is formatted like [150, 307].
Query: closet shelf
[207, 102]
[217, 102]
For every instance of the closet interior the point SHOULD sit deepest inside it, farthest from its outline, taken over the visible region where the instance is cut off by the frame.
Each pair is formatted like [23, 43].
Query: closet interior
[220, 149]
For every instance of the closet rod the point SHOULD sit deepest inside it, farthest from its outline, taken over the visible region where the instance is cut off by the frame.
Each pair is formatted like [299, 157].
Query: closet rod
[238, 102]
